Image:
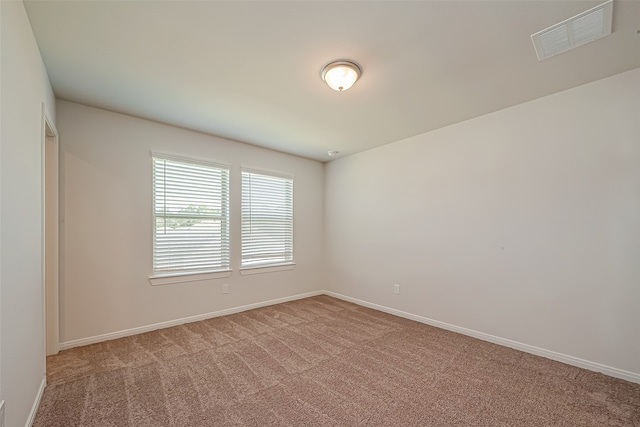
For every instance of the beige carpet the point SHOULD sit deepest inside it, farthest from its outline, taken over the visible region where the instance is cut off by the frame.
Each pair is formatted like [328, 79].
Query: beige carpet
[322, 361]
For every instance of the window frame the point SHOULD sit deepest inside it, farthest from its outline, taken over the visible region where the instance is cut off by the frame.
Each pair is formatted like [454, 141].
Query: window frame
[166, 276]
[265, 267]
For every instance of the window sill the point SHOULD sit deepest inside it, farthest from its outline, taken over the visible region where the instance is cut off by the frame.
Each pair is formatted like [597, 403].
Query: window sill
[267, 268]
[166, 279]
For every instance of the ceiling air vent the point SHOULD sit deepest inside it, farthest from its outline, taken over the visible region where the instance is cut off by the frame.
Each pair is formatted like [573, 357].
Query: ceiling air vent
[581, 29]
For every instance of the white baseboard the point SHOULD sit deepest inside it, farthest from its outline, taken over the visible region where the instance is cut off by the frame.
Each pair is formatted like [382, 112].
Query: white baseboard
[36, 403]
[142, 329]
[569, 360]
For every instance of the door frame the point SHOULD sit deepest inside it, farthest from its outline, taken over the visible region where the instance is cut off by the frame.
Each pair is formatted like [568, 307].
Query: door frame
[50, 233]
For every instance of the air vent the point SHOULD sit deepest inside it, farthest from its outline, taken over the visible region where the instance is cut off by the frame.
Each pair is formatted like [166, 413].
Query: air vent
[581, 29]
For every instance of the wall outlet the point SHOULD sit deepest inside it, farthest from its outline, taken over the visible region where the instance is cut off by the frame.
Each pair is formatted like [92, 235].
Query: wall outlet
[225, 288]
[396, 289]
[2, 414]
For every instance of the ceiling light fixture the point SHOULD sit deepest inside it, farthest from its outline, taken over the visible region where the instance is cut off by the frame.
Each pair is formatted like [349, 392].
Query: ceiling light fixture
[341, 75]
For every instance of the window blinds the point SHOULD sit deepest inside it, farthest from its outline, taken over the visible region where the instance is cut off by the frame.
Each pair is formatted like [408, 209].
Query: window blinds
[191, 216]
[267, 219]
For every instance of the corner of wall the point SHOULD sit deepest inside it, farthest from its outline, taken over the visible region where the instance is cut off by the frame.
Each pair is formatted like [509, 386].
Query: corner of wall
[24, 86]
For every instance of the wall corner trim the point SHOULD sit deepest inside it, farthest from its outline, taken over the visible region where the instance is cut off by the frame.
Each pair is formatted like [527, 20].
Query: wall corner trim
[36, 402]
[569, 360]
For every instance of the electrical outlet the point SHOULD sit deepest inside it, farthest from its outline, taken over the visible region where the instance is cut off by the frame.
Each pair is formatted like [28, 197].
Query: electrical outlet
[396, 289]
[2, 414]
[225, 288]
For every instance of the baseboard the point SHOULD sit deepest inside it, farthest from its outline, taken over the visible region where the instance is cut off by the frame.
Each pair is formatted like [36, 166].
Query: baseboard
[36, 403]
[569, 360]
[142, 329]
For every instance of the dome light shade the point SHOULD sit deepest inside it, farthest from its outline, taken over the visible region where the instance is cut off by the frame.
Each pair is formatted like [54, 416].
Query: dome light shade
[341, 75]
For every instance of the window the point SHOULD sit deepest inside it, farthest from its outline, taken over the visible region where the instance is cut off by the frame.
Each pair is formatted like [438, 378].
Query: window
[267, 219]
[191, 217]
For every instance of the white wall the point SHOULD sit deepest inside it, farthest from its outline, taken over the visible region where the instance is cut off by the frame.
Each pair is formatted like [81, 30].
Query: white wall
[1, 395]
[25, 86]
[106, 232]
[523, 224]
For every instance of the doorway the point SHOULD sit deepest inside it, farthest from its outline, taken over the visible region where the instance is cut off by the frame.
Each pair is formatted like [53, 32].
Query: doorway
[50, 163]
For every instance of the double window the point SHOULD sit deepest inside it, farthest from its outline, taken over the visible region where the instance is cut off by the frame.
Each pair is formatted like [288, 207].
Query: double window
[191, 231]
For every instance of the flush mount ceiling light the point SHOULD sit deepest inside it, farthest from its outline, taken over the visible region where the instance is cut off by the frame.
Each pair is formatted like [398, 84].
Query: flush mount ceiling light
[341, 75]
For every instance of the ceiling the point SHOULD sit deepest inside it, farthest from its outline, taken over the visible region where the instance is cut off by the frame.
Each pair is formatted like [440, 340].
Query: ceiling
[250, 71]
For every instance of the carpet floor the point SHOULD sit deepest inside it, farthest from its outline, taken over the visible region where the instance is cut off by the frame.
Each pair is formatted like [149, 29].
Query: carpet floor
[321, 361]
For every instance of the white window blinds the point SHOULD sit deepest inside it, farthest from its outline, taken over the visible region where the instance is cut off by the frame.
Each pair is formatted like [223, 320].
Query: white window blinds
[191, 216]
[267, 219]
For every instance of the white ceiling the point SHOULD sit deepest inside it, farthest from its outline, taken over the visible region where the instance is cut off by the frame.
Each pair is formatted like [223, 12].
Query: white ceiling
[250, 71]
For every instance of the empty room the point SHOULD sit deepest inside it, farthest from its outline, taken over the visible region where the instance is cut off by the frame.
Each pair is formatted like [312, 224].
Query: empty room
[305, 213]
